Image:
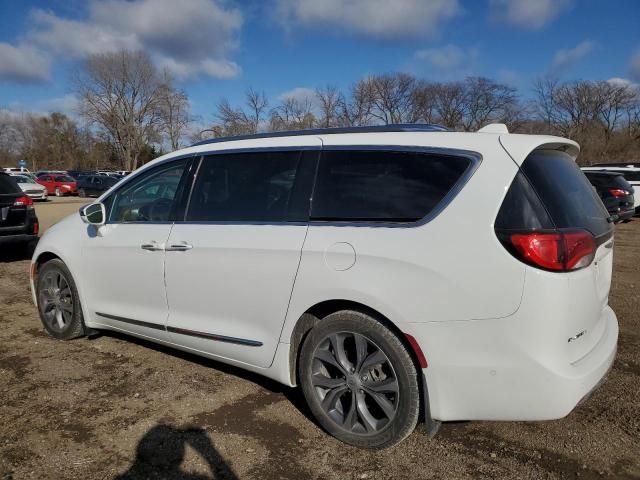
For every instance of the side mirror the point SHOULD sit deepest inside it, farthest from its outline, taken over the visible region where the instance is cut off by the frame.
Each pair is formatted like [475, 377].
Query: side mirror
[94, 214]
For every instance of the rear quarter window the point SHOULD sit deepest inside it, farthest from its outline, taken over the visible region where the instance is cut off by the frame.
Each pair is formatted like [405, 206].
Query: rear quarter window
[383, 186]
[566, 192]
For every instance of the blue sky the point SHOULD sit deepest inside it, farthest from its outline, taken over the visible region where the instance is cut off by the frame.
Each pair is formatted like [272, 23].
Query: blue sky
[219, 48]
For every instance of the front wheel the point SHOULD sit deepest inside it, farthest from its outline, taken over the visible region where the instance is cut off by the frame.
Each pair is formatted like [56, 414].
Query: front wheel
[58, 301]
[82, 193]
[360, 382]
[58, 192]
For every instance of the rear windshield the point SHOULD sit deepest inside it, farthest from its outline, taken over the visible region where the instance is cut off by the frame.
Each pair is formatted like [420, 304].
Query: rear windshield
[8, 185]
[565, 191]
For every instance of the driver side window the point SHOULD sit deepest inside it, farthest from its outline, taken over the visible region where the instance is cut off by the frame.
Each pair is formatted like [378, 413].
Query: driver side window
[149, 198]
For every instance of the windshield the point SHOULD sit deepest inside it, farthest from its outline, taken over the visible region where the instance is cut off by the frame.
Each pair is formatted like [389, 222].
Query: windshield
[23, 179]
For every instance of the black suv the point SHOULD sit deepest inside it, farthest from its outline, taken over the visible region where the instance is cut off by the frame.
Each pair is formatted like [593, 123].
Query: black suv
[18, 221]
[94, 185]
[616, 193]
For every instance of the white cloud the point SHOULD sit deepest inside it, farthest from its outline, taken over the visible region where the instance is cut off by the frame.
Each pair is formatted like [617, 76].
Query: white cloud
[299, 93]
[23, 64]
[566, 58]
[67, 104]
[634, 63]
[447, 57]
[191, 39]
[623, 82]
[529, 14]
[376, 18]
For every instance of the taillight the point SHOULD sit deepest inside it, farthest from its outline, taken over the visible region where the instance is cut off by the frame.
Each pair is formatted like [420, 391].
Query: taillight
[36, 228]
[618, 192]
[560, 251]
[24, 201]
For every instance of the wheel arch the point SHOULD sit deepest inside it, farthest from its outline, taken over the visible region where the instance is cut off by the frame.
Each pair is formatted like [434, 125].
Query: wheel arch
[321, 310]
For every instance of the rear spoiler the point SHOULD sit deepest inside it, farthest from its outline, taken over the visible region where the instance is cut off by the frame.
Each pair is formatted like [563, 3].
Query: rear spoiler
[518, 147]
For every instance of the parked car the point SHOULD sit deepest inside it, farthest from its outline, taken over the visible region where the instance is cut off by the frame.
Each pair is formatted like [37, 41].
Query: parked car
[631, 172]
[29, 186]
[396, 273]
[79, 173]
[615, 192]
[59, 185]
[18, 221]
[94, 185]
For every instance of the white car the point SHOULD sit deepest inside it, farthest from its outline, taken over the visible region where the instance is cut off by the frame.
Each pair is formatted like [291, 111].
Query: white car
[396, 273]
[29, 186]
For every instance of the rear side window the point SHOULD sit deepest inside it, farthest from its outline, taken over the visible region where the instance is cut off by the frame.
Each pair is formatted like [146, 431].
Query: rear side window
[247, 187]
[7, 185]
[383, 186]
[566, 193]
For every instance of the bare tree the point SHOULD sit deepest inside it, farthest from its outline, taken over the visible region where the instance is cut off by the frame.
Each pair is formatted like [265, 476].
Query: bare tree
[238, 121]
[356, 109]
[450, 103]
[486, 101]
[329, 100]
[392, 98]
[119, 92]
[174, 110]
[292, 114]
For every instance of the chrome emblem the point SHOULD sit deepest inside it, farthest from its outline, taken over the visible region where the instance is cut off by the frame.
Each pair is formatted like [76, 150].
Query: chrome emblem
[575, 337]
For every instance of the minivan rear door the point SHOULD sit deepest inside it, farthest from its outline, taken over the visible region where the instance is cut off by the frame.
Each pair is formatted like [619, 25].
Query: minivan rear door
[231, 264]
[572, 203]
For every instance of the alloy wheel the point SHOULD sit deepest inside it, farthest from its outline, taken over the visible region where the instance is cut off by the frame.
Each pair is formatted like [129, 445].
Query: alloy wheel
[355, 383]
[56, 300]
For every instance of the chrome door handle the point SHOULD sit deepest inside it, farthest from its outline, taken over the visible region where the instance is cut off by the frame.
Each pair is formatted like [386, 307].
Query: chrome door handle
[151, 246]
[178, 247]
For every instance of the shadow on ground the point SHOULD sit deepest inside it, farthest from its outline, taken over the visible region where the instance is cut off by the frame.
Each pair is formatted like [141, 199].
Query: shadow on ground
[17, 252]
[161, 452]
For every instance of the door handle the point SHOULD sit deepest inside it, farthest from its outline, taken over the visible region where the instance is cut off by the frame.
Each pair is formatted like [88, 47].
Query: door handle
[179, 247]
[152, 246]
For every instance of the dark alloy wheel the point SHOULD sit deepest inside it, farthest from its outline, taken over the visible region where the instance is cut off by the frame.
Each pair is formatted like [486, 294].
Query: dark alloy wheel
[58, 301]
[359, 380]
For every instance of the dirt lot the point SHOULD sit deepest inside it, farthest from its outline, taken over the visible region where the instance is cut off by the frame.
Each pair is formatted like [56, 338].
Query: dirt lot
[113, 407]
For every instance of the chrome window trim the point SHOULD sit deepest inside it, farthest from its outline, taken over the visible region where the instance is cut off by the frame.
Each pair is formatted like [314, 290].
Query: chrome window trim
[475, 159]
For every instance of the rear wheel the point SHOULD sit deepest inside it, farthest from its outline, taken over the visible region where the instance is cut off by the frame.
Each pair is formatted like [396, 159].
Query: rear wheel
[359, 380]
[58, 192]
[58, 301]
[82, 193]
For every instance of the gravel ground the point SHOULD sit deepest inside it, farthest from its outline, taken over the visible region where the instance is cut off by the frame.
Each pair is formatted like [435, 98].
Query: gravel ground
[116, 407]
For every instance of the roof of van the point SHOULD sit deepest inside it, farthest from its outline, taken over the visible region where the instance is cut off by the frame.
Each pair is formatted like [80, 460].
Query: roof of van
[396, 127]
[485, 141]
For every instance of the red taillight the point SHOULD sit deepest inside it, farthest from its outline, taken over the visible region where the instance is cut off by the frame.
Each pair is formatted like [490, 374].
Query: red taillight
[559, 251]
[36, 228]
[24, 201]
[618, 192]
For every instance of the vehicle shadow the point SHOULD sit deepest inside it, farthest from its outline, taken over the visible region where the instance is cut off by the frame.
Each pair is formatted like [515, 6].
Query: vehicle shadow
[17, 252]
[293, 395]
[162, 449]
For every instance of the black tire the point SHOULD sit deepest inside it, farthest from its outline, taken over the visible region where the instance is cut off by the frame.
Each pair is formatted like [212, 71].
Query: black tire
[82, 193]
[362, 384]
[71, 324]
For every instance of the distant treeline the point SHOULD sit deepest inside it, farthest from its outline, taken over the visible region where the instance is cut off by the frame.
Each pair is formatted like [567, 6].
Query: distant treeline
[129, 112]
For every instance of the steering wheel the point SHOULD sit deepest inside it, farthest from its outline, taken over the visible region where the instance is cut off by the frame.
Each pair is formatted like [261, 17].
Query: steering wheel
[157, 210]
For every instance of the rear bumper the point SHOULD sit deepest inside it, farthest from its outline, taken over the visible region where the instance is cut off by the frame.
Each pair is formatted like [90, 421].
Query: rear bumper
[626, 215]
[19, 238]
[476, 372]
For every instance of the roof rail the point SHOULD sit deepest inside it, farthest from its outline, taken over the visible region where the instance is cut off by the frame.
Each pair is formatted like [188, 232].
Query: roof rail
[394, 127]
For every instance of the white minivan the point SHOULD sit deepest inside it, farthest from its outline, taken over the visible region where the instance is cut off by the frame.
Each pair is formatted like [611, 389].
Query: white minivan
[397, 274]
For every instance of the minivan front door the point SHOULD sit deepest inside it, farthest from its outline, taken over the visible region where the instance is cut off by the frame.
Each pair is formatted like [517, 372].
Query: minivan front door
[231, 265]
[123, 260]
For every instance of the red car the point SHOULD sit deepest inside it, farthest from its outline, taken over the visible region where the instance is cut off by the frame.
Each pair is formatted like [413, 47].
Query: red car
[58, 184]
